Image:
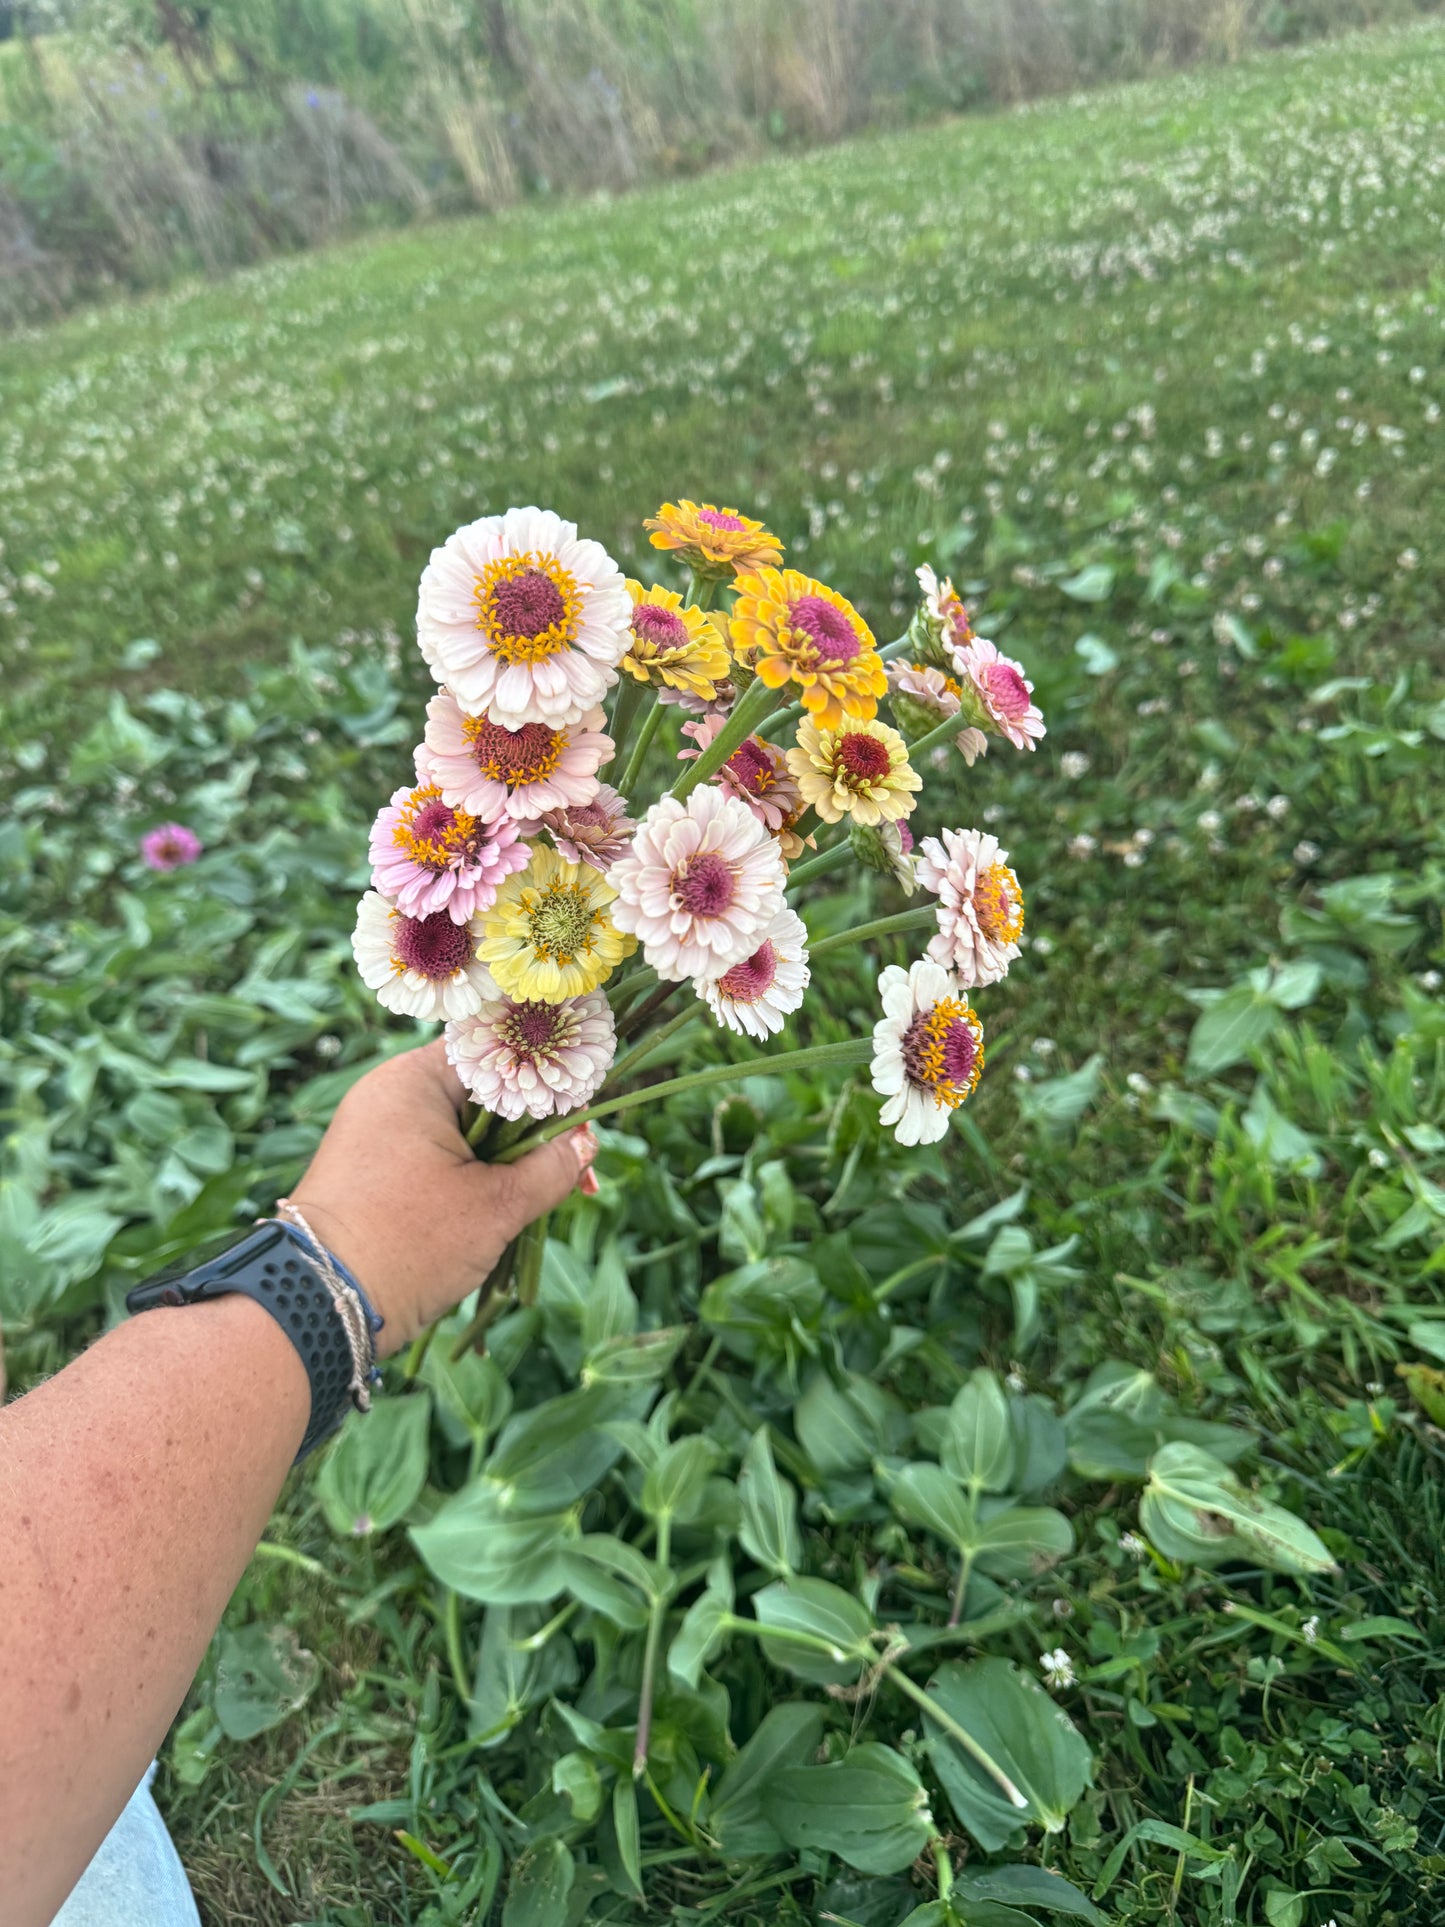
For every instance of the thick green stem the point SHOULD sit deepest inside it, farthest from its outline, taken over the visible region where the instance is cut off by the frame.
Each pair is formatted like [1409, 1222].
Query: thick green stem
[631, 985]
[645, 1046]
[852, 1050]
[882, 927]
[820, 865]
[748, 711]
[624, 712]
[654, 1640]
[960, 1590]
[649, 1007]
[956, 1732]
[650, 726]
[948, 731]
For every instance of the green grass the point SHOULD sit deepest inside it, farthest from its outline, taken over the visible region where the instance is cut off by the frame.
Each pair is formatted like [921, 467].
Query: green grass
[1157, 375]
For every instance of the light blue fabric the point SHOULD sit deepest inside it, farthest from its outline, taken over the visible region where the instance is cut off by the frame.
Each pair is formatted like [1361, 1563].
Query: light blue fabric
[136, 1879]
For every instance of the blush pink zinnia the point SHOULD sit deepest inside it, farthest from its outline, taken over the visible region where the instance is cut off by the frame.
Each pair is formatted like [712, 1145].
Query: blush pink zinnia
[170, 847]
[1003, 690]
[431, 857]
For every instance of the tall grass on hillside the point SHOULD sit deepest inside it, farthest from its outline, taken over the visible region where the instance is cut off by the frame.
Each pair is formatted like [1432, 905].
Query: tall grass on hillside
[140, 139]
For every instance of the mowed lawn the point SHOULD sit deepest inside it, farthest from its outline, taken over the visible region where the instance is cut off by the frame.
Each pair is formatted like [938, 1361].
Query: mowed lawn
[1157, 375]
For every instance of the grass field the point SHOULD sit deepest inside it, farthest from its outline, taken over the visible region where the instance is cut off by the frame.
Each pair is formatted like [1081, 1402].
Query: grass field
[1157, 374]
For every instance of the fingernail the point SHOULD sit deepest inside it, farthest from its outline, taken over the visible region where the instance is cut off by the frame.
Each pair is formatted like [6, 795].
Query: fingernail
[584, 1144]
[587, 1184]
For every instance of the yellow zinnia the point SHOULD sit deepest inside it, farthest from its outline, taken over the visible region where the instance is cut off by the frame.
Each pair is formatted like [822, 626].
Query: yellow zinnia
[713, 542]
[859, 770]
[789, 628]
[673, 647]
[548, 935]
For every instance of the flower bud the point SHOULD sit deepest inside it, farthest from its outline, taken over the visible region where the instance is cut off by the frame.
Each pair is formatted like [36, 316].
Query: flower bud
[886, 848]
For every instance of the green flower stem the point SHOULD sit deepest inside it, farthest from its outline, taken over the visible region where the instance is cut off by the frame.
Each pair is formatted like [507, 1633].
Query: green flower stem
[748, 711]
[956, 1732]
[490, 1298]
[641, 1012]
[820, 865]
[948, 731]
[456, 1658]
[650, 726]
[700, 592]
[624, 712]
[645, 1046]
[960, 1590]
[943, 1865]
[883, 927]
[530, 1248]
[654, 1640]
[852, 1050]
[628, 987]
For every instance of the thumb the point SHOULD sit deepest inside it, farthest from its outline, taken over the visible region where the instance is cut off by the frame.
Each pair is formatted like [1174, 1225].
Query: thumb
[544, 1177]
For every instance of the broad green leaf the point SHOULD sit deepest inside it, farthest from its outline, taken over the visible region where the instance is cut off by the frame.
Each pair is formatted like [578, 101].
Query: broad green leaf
[1029, 1739]
[844, 1426]
[1195, 1510]
[825, 1613]
[625, 1826]
[674, 1486]
[787, 1736]
[475, 1545]
[1283, 1144]
[926, 1496]
[769, 1524]
[263, 1675]
[1057, 1103]
[512, 1675]
[1230, 1028]
[1093, 583]
[541, 1881]
[472, 1393]
[1022, 1541]
[609, 1309]
[576, 1778]
[373, 1473]
[871, 1809]
[1096, 655]
[1040, 1443]
[704, 1627]
[549, 1456]
[978, 1447]
[1025, 1886]
[639, 1358]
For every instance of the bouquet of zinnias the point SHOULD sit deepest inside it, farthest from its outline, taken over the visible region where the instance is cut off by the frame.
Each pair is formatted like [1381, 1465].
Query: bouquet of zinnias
[514, 883]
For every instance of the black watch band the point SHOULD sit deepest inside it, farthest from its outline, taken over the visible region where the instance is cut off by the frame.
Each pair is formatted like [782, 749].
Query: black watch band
[282, 1270]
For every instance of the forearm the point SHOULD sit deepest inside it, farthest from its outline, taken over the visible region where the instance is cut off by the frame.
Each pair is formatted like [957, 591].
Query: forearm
[133, 1489]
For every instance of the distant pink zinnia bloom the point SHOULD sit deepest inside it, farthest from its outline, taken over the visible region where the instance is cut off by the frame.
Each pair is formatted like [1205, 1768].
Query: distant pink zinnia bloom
[169, 847]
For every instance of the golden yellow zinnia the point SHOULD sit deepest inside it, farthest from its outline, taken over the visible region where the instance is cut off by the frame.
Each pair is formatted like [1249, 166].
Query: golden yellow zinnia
[789, 628]
[548, 935]
[673, 647]
[859, 770]
[713, 542]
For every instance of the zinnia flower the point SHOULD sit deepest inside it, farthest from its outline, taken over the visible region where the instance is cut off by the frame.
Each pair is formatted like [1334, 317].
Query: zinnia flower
[419, 966]
[597, 832]
[942, 622]
[713, 542]
[169, 847]
[700, 885]
[756, 773]
[427, 856]
[492, 770]
[754, 996]
[674, 648]
[1003, 690]
[924, 697]
[860, 770]
[888, 849]
[791, 629]
[927, 1050]
[980, 904]
[532, 1059]
[549, 935]
[523, 619]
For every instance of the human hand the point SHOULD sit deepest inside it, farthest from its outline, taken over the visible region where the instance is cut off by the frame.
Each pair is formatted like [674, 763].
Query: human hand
[396, 1193]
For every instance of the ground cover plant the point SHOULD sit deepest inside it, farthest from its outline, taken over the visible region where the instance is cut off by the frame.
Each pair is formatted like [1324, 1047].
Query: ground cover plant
[1155, 377]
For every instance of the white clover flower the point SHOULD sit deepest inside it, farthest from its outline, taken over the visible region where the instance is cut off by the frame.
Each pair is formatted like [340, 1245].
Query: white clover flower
[1057, 1669]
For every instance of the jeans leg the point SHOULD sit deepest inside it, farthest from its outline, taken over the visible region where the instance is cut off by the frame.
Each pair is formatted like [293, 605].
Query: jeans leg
[136, 1878]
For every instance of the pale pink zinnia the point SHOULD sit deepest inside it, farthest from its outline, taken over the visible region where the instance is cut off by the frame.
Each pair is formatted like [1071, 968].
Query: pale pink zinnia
[420, 966]
[597, 832]
[490, 769]
[756, 773]
[169, 847]
[534, 1060]
[757, 994]
[1003, 689]
[980, 904]
[700, 885]
[922, 698]
[945, 605]
[523, 619]
[431, 857]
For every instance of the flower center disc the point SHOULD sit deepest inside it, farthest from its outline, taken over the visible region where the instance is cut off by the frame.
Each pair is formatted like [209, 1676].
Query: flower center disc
[560, 922]
[826, 627]
[432, 835]
[998, 904]
[943, 1051]
[753, 978]
[721, 519]
[704, 885]
[751, 766]
[527, 606]
[663, 628]
[1006, 690]
[514, 756]
[433, 946]
[862, 759]
[532, 1029]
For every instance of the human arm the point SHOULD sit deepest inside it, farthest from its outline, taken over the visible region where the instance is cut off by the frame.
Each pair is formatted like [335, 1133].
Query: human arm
[135, 1484]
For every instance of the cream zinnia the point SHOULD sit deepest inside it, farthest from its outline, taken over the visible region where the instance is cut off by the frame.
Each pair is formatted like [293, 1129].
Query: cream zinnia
[428, 856]
[980, 904]
[757, 994]
[534, 1059]
[493, 770]
[550, 934]
[523, 619]
[927, 1051]
[860, 770]
[419, 966]
[923, 697]
[699, 886]
[597, 832]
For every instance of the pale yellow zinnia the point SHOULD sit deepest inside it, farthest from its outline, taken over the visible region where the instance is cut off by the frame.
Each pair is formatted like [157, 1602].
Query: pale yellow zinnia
[860, 770]
[549, 934]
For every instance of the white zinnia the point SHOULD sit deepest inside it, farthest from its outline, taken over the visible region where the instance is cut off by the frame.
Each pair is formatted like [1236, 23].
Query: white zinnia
[420, 966]
[757, 994]
[532, 1059]
[980, 904]
[523, 619]
[927, 1050]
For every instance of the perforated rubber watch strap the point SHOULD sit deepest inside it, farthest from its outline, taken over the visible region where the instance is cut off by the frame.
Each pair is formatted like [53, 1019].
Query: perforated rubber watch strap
[271, 1266]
